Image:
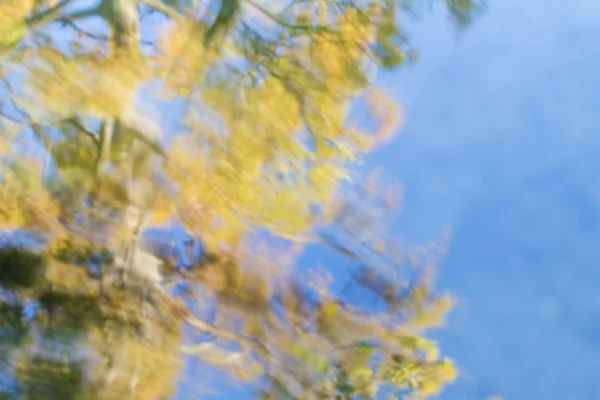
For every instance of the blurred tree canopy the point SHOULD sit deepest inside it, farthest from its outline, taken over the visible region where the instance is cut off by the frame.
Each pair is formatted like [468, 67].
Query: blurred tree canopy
[270, 99]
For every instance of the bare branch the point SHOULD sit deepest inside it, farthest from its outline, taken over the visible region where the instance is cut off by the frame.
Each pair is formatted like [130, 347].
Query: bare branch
[95, 36]
[46, 15]
[54, 14]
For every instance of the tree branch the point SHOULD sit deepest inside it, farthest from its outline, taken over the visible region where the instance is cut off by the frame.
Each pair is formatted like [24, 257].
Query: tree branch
[78, 125]
[46, 15]
[54, 14]
[280, 21]
[99, 37]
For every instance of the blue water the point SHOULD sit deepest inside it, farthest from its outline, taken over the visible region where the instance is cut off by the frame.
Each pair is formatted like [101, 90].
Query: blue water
[501, 143]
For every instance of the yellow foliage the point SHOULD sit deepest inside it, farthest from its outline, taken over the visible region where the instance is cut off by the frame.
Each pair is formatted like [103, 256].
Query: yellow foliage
[24, 202]
[12, 24]
[85, 84]
[183, 58]
[268, 140]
